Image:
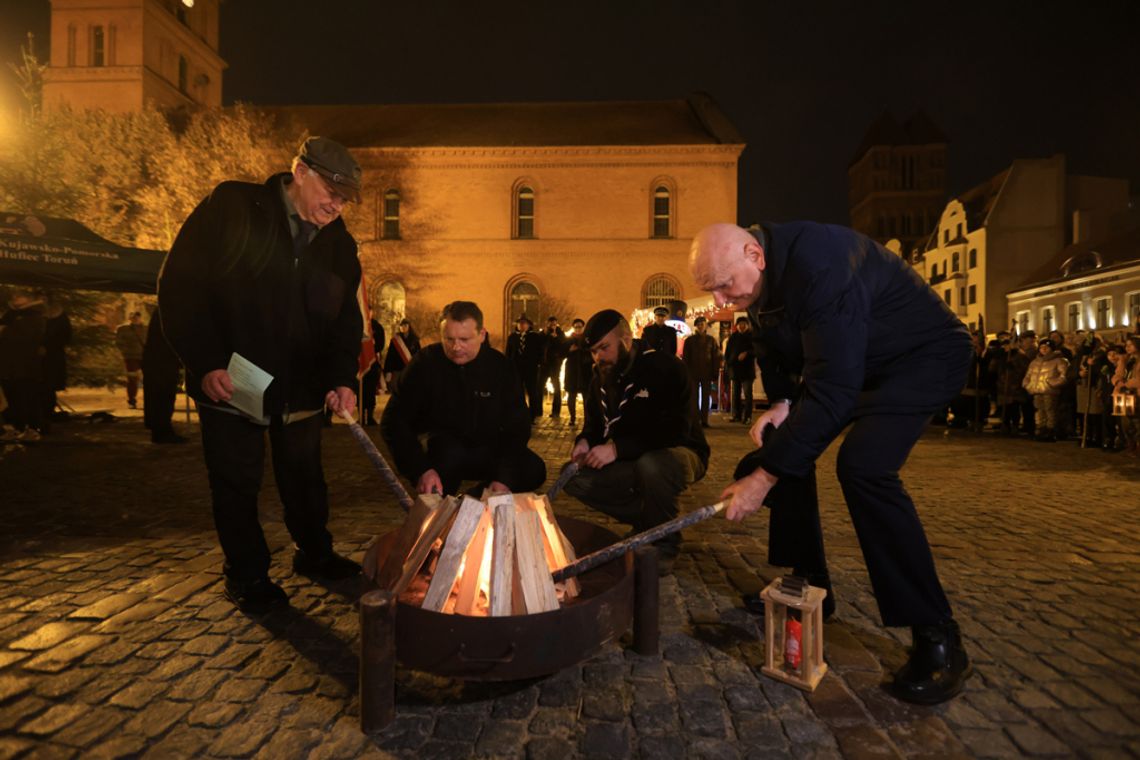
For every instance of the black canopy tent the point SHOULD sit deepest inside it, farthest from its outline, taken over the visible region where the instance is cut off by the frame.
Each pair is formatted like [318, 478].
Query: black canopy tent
[44, 252]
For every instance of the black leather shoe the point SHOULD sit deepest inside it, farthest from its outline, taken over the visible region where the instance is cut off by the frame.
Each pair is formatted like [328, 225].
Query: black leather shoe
[938, 666]
[170, 437]
[330, 567]
[259, 595]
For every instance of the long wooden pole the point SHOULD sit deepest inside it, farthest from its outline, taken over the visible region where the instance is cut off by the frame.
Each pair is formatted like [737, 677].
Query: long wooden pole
[382, 466]
[602, 556]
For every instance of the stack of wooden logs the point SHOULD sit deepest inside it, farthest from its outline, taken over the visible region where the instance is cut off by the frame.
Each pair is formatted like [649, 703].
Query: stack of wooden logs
[483, 557]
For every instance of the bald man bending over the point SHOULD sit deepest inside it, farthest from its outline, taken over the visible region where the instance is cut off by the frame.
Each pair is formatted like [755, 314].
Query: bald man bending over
[849, 335]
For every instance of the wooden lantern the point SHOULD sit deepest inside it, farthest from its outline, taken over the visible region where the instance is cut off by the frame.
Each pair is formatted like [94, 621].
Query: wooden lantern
[1123, 405]
[793, 636]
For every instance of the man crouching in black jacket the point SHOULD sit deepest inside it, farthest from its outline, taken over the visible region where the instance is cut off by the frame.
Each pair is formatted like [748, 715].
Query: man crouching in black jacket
[465, 397]
[642, 443]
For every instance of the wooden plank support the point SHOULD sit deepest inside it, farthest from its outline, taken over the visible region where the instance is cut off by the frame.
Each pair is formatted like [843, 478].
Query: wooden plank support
[502, 555]
[451, 558]
[646, 601]
[377, 660]
[534, 573]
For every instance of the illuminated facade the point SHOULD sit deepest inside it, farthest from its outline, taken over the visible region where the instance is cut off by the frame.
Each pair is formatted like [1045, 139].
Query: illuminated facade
[521, 206]
[990, 239]
[897, 181]
[1087, 286]
[121, 54]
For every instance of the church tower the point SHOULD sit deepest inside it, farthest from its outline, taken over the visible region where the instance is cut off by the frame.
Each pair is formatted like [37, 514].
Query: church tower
[121, 54]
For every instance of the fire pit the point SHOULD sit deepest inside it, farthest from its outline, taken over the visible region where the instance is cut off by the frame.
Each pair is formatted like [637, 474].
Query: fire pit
[504, 647]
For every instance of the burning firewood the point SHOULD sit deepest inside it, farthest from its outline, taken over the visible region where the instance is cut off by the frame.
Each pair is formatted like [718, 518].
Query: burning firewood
[496, 559]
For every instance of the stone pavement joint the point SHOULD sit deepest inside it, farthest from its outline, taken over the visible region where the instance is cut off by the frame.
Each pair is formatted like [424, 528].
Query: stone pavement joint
[115, 640]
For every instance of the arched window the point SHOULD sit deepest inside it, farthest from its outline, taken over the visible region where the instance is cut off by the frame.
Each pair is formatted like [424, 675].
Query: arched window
[524, 212]
[524, 296]
[391, 215]
[662, 212]
[659, 290]
[973, 257]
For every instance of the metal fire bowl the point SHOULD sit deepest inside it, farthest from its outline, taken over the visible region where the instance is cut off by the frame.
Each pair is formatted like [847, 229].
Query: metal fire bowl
[522, 646]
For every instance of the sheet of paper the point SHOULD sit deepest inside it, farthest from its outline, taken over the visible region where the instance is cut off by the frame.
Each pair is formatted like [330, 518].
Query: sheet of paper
[250, 382]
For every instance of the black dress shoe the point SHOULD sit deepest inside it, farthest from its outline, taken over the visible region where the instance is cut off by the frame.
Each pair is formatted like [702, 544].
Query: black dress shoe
[329, 567]
[938, 666]
[259, 595]
[170, 437]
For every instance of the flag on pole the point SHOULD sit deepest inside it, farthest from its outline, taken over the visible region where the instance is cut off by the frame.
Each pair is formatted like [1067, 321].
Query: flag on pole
[367, 344]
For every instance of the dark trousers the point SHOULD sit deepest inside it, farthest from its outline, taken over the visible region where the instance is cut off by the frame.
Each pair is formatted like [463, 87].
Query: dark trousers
[572, 394]
[795, 536]
[552, 374]
[235, 457]
[890, 534]
[519, 469]
[528, 376]
[134, 372]
[368, 387]
[25, 403]
[742, 398]
[703, 398]
[158, 404]
[640, 492]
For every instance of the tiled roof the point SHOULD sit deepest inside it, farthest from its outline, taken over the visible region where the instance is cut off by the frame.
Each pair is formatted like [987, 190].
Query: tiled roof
[696, 121]
[1123, 248]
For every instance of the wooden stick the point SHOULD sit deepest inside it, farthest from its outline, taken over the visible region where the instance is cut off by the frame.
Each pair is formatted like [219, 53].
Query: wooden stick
[378, 460]
[393, 565]
[602, 556]
[569, 470]
[468, 594]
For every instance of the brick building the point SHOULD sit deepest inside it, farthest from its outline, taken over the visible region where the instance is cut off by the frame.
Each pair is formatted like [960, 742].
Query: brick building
[897, 180]
[120, 54]
[533, 207]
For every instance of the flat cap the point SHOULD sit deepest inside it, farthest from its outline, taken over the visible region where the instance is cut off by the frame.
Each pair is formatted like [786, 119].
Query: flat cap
[332, 161]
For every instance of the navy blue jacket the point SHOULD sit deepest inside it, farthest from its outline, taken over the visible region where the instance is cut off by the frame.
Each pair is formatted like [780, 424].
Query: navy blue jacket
[861, 331]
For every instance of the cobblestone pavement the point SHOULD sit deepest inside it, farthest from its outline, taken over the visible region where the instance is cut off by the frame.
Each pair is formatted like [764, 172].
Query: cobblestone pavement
[115, 641]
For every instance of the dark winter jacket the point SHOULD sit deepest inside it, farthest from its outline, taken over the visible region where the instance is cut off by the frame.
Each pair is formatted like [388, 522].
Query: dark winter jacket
[21, 343]
[654, 408]
[864, 332]
[741, 369]
[701, 355]
[480, 403]
[662, 338]
[232, 283]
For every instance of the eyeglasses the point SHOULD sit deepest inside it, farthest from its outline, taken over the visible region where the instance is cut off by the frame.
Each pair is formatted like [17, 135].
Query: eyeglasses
[336, 196]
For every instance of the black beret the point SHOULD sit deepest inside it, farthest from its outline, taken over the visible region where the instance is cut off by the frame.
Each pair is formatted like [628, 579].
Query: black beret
[600, 325]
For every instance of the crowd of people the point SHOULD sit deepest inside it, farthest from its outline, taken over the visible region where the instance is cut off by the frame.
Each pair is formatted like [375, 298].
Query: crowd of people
[1055, 388]
[845, 338]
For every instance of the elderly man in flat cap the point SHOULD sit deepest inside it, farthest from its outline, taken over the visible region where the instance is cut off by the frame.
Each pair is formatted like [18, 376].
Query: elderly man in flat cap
[269, 272]
[642, 443]
[848, 336]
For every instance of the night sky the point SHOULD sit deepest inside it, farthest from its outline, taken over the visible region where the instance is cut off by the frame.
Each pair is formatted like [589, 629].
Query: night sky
[801, 81]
